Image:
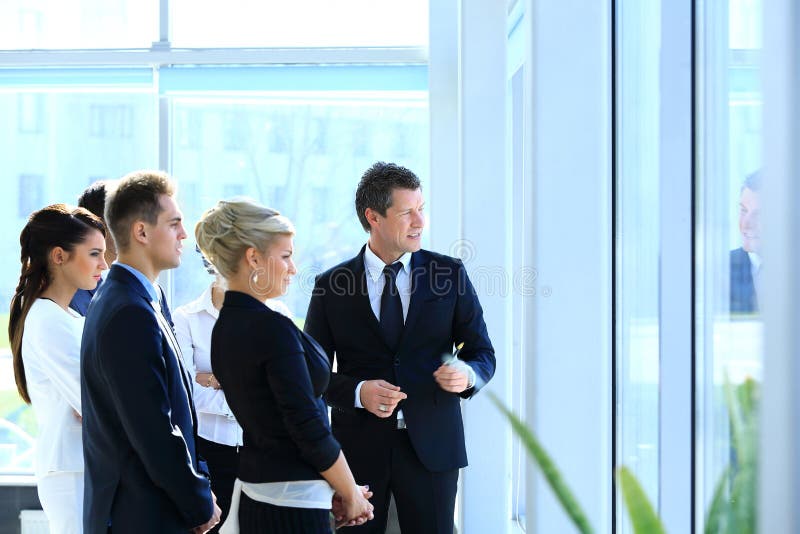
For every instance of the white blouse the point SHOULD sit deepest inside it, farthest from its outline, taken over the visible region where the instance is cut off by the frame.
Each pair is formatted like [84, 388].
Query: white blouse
[193, 325]
[51, 345]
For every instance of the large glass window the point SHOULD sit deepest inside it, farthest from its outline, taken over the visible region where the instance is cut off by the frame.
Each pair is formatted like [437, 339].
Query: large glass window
[303, 156]
[26, 24]
[278, 23]
[301, 153]
[296, 137]
[730, 265]
[69, 137]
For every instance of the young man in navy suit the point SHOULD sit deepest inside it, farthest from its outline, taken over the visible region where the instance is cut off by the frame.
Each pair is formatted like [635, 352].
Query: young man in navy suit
[142, 473]
[93, 199]
[388, 316]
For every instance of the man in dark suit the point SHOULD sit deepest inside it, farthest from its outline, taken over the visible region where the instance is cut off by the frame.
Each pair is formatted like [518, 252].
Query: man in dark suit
[142, 473]
[93, 199]
[745, 261]
[387, 317]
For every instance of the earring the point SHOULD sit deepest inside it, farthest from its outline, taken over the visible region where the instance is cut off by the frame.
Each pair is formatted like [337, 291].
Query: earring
[254, 277]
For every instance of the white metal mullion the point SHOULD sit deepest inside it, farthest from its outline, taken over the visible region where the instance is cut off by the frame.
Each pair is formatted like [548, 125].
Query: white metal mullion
[675, 270]
[568, 378]
[215, 56]
[164, 24]
[485, 248]
[779, 476]
[446, 197]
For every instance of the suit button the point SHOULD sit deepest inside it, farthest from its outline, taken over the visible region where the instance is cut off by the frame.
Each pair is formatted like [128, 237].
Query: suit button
[396, 362]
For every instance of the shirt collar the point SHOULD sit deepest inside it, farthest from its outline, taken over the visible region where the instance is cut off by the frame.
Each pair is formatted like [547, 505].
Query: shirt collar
[203, 303]
[375, 265]
[755, 261]
[148, 285]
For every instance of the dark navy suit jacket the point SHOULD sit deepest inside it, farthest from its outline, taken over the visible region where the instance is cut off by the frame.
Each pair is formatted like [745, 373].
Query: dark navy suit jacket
[743, 290]
[139, 427]
[443, 311]
[273, 376]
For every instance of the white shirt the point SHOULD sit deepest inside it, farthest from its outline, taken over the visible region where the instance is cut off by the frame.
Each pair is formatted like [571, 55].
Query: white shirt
[193, 325]
[316, 494]
[755, 270]
[51, 354]
[755, 263]
[375, 282]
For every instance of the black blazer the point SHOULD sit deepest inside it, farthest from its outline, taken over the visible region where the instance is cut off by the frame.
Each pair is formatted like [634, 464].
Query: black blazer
[743, 290]
[142, 473]
[444, 310]
[273, 376]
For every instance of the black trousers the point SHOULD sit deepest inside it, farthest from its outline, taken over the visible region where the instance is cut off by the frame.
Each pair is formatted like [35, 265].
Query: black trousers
[260, 517]
[223, 464]
[425, 500]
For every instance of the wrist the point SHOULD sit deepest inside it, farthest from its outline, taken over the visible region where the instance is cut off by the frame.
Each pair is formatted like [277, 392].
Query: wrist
[351, 494]
[358, 402]
[471, 378]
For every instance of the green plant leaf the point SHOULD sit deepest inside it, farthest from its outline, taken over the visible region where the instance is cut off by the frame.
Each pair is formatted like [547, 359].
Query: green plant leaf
[736, 418]
[548, 467]
[733, 508]
[718, 513]
[643, 517]
[743, 501]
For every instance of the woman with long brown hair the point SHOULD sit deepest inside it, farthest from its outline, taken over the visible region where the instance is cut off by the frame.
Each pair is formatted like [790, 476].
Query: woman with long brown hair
[61, 251]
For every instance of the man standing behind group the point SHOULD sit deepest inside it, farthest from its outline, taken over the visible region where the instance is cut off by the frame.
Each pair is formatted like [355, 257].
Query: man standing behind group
[387, 316]
[139, 425]
[93, 199]
[745, 263]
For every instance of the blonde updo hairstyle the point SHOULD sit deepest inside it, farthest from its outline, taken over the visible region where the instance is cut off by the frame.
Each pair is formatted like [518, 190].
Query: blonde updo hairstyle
[228, 229]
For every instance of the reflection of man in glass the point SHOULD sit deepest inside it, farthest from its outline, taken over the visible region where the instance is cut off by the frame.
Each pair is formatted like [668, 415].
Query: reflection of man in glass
[746, 260]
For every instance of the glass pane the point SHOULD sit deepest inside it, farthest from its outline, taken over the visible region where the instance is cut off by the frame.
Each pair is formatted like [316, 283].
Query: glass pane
[78, 24]
[637, 245]
[303, 156]
[730, 266]
[53, 144]
[278, 23]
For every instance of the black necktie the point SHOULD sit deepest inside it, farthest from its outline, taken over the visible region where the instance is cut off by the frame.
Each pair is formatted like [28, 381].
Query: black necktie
[391, 307]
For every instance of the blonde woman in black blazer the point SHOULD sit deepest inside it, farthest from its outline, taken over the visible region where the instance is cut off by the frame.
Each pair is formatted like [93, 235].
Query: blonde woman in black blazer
[292, 472]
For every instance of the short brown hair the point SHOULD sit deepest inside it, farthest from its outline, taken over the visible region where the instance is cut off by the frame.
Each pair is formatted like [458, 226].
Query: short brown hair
[377, 185]
[135, 198]
[93, 197]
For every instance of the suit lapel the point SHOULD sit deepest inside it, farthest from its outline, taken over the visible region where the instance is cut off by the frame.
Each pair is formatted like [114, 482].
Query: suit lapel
[363, 307]
[126, 277]
[420, 292]
[166, 330]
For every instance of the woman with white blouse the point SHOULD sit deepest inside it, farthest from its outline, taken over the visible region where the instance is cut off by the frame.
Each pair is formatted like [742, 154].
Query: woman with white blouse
[219, 435]
[61, 251]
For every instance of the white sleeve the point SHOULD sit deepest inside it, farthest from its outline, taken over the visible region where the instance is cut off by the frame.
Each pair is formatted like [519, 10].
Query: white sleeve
[183, 334]
[55, 342]
[358, 394]
[206, 400]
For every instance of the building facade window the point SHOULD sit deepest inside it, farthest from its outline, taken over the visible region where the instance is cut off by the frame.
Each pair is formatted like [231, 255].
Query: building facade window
[31, 194]
[30, 113]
